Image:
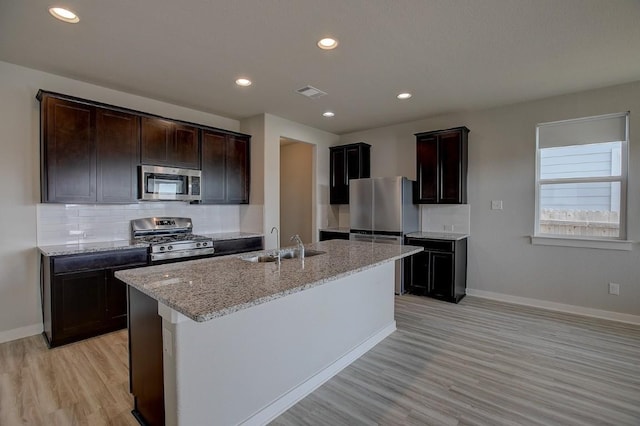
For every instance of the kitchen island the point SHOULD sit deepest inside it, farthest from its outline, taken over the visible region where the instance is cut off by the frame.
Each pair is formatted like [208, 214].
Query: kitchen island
[243, 341]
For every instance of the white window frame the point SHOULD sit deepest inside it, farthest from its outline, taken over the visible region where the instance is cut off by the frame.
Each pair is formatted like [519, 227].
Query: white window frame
[614, 243]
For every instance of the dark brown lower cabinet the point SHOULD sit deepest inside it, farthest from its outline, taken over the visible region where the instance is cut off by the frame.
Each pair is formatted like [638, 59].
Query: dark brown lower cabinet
[333, 235]
[81, 297]
[440, 271]
[146, 378]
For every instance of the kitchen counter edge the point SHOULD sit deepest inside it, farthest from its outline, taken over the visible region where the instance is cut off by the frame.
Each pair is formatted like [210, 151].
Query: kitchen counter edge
[95, 247]
[179, 300]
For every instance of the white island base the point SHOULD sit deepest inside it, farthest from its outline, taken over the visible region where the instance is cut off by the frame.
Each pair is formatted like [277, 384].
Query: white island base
[252, 365]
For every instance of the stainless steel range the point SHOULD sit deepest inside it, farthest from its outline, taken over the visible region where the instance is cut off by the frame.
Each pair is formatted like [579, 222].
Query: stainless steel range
[170, 238]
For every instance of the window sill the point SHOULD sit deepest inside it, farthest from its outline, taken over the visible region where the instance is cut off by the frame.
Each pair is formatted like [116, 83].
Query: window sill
[624, 245]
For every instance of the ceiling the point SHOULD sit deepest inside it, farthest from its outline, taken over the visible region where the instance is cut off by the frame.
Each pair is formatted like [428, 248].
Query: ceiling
[451, 55]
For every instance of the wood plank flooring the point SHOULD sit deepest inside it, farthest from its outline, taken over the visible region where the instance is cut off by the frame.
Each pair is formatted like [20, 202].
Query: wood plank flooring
[485, 363]
[85, 383]
[475, 363]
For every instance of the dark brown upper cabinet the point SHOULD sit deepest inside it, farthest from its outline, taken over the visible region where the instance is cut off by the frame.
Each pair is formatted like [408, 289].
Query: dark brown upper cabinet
[441, 166]
[225, 168]
[347, 162]
[117, 151]
[167, 143]
[88, 154]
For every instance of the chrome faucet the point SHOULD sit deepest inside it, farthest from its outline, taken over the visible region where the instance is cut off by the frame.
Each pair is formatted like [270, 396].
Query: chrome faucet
[298, 240]
[278, 240]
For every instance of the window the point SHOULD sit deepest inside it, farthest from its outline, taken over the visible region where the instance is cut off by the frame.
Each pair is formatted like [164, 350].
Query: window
[581, 178]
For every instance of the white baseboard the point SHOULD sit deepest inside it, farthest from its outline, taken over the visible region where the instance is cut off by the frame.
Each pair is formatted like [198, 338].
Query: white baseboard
[289, 399]
[19, 333]
[553, 306]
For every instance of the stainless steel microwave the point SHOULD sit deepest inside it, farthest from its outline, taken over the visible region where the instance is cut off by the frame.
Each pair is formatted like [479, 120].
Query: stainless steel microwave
[169, 184]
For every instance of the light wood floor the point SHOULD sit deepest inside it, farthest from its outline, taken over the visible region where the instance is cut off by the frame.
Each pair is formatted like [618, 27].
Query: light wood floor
[85, 383]
[475, 363]
[485, 363]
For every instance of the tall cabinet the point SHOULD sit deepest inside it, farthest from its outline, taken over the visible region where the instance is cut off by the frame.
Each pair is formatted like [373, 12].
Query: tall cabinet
[352, 161]
[89, 154]
[225, 168]
[441, 166]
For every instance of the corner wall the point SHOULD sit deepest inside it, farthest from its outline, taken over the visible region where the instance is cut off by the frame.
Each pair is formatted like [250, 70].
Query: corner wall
[501, 259]
[275, 128]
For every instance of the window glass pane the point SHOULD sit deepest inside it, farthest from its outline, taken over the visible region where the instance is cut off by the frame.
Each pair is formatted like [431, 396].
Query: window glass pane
[577, 161]
[580, 209]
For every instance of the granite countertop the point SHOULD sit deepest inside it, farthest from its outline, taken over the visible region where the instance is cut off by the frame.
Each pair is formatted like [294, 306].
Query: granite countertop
[83, 248]
[94, 247]
[451, 236]
[213, 287]
[336, 229]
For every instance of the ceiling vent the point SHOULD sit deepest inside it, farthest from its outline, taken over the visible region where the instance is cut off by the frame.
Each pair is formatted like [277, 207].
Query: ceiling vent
[311, 92]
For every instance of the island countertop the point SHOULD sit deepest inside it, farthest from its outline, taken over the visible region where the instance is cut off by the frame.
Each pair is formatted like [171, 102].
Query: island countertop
[209, 288]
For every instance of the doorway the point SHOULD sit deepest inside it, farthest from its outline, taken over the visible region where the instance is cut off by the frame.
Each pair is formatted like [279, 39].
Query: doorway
[296, 190]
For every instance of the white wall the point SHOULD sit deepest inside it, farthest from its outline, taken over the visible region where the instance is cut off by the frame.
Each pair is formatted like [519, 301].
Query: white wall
[274, 129]
[501, 167]
[20, 193]
[296, 165]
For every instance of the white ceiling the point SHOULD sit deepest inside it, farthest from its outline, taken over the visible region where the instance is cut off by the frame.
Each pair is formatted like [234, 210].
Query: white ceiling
[453, 55]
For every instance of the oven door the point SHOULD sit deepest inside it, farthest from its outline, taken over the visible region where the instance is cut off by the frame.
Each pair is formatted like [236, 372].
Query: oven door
[169, 184]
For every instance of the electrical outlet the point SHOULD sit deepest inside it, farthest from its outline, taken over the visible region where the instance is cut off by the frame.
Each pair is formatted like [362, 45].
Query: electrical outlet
[614, 289]
[496, 204]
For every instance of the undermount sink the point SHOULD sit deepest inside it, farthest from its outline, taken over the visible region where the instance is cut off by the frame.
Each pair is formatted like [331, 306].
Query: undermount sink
[284, 254]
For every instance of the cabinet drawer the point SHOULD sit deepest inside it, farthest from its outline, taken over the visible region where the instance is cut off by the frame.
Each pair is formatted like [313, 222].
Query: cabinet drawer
[333, 235]
[109, 259]
[239, 245]
[432, 245]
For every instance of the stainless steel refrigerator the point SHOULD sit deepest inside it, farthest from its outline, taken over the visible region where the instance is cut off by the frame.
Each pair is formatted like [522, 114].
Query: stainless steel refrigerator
[381, 210]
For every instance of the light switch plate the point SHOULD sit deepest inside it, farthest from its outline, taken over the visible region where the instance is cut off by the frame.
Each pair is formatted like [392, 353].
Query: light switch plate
[496, 204]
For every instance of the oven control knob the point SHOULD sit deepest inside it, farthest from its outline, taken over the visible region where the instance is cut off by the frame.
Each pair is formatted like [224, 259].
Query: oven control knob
[161, 248]
[205, 244]
[170, 248]
[197, 244]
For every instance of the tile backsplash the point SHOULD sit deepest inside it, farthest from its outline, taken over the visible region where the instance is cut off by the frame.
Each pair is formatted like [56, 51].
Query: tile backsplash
[74, 223]
[446, 218]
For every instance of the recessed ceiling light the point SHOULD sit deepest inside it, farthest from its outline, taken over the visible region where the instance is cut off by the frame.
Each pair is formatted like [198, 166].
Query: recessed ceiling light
[328, 43]
[405, 95]
[64, 15]
[243, 82]
[328, 114]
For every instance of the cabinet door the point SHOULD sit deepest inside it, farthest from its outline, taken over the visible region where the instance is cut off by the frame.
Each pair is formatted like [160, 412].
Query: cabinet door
[449, 153]
[156, 137]
[79, 303]
[213, 167]
[338, 189]
[353, 163]
[441, 275]
[116, 299]
[117, 149]
[427, 169]
[237, 170]
[146, 358]
[183, 152]
[69, 166]
[419, 281]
